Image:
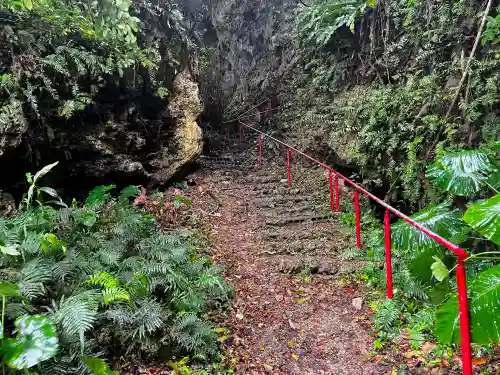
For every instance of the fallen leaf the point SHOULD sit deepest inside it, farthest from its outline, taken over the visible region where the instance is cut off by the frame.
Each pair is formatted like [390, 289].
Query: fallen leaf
[428, 347]
[292, 344]
[239, 316]
[295, 356]
[278, 297]
[292, 324]
[479, 361]
[300, 301]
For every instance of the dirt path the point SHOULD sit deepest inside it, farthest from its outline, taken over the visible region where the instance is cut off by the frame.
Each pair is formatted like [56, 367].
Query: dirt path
[292, 314]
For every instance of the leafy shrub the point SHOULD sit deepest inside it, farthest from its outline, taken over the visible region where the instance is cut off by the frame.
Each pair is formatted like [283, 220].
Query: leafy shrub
[105, 274]
[471, 174]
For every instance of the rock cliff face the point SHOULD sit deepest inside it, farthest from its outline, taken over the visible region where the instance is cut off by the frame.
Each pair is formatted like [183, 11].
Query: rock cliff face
[125, 138]
[253, 42]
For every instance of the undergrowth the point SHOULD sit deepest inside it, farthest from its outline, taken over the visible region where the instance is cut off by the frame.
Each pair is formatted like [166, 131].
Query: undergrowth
[108, 278]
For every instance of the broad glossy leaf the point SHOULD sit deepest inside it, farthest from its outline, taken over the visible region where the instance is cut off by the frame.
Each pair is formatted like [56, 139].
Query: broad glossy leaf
[36, 341]
[494, 180]
[439, 269]
[9, 289]
[484, 308]
[10, 249]
[42, 172]
[98, 196]
[49, 191]
[129, 191]
[97, 366]
[462, 173]
[485, 218]
[437, 218]
[87, 218]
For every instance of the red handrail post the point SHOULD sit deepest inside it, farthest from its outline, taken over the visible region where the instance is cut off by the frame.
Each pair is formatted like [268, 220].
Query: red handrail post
[463, 309]
[358, 219]
[260, 149]
[388, 255]
[330, 181]
[337, 193]
[288, 167]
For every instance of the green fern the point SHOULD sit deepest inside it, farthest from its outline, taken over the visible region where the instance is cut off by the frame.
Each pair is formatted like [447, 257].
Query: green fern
[387, 314]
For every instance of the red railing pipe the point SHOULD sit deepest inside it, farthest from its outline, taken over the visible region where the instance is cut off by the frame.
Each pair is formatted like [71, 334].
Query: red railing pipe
[288, 167]
[388, 255]
[358, 219]
[463, 310]
[337, 193]
[332, 199]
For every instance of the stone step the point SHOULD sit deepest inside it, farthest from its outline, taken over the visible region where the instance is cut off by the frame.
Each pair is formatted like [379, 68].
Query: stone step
[319, 245]
[282, 221]
[309, 264]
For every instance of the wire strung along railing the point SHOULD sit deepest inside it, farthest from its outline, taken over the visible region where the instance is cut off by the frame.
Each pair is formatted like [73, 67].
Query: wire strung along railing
[333, 178]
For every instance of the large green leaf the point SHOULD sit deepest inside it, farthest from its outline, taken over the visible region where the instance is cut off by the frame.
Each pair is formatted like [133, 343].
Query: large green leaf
[437, 218]
[129, 191]
[462, 173]
[36, 341]
[97, 366]
[484, 308]
[9, 289]
[485, 218]
[42, 172]
[98, 196]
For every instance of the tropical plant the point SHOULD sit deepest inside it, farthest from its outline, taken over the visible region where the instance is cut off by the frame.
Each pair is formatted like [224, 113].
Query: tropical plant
[466, 173]
[318, 22]
[106, 264]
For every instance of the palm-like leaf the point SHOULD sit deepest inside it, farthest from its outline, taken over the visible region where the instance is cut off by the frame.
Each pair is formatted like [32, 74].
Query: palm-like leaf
[485, 218]
[437, 218]
[484, 308]
[462, 173]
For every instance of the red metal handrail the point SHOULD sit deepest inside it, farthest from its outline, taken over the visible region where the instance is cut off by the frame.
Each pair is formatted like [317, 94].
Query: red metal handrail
[335, 204]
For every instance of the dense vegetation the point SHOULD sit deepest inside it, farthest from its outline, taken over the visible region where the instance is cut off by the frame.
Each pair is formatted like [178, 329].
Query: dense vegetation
[101, 275]
[392, 83]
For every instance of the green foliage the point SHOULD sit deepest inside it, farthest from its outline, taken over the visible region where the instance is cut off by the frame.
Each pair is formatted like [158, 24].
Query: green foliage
[492, 32]
[97, 366]
[319, 22]
[67, 49]
[107, 265]
[484, 307]
[387, 314]
[440, 219]
[36, 341]
[462, 173]
[485, 218]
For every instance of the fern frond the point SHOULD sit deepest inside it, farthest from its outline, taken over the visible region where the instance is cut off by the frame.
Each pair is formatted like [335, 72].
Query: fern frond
[76, 314]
